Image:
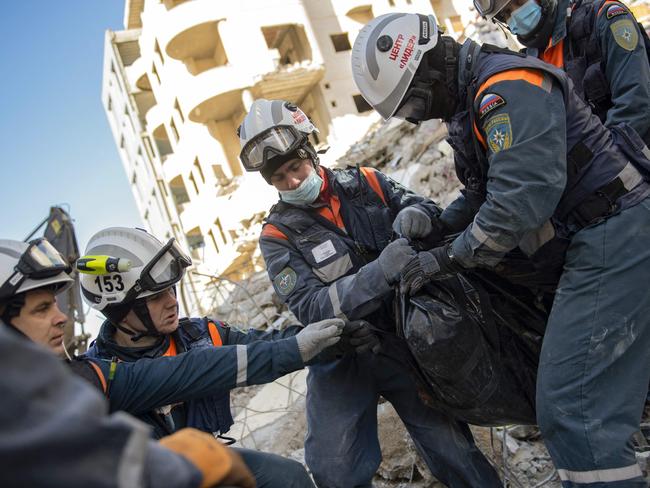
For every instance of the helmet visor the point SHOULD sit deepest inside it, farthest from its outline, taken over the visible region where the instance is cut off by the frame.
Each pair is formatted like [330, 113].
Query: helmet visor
[414, 108]
[41, 260]
[279, 140]
[490, 8]
[166, 268]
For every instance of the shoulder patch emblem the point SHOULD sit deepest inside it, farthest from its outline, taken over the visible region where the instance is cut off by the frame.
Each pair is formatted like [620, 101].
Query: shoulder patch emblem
[488, 103]
[615, 10]
[499, 133]
[285, 281]
[625, 34]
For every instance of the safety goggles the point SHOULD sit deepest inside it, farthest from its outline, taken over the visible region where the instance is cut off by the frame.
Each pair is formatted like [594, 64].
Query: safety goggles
[41, 260]
[165, 269]
[490, 9]
[275, 141]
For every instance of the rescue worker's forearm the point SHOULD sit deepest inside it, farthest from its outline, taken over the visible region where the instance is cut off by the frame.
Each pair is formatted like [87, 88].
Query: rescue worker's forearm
[151, 383]
[351, 297]
[526, 177]
[238, 336]
[311, 300]
[458, 214]
[166, 468]
[627, 70]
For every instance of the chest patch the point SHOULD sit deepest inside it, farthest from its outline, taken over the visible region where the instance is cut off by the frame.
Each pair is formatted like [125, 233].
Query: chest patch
[488, 103]
[285, 281]
[615, 10]
[499, 133]
[323, 251]
[625, 34]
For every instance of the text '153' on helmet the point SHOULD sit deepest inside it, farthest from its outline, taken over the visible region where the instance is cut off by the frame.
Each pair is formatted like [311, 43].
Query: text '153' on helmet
[26, 266]
[386, 55]
[273, 129]
[154, 266]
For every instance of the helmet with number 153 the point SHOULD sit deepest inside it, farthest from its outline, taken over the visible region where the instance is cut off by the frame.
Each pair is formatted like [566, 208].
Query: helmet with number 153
[154, 267]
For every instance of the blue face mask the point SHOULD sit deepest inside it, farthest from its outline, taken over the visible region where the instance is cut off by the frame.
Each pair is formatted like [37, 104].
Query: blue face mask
[524, 20]
[306, 193]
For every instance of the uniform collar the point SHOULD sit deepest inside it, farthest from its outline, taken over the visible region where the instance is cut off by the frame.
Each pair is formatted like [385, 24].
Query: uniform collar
[108, 347]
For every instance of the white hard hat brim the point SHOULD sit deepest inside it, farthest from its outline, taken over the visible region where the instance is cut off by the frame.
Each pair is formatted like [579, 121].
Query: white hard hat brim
[63, 280]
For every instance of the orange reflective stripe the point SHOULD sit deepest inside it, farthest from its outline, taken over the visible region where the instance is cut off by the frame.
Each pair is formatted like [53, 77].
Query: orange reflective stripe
[100, 375]
[270, 230]
[479, 136]
[532, 76]
[214, 334]
[371, 176]
[171, 350]
[554, 54]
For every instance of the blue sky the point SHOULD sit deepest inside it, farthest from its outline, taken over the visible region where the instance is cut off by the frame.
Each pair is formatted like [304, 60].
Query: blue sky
[56, 144]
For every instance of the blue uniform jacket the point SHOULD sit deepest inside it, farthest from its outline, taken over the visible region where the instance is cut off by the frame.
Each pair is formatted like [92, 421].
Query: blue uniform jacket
[322, 258]
[605, 32]
[184, 380]
[532, 153]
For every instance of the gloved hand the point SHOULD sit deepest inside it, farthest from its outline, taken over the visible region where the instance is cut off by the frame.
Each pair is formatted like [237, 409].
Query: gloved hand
[412, 223]
[318, 336]
[218, 464]
[394, 257]
[426, 266]
[360, 337]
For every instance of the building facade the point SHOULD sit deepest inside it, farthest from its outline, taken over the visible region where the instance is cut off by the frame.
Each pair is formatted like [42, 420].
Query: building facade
[177, 82]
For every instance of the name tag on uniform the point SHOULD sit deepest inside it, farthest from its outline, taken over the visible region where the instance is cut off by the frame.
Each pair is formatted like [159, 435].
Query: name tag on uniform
[323, 251]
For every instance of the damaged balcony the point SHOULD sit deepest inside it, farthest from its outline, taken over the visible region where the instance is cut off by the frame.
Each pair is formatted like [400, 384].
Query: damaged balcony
[296, 72]
[193, 36]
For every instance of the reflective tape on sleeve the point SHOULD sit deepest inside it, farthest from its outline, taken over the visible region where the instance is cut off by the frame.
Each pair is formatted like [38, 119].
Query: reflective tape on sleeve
[486, 240]
[601, 475]
[242, 365]
[336, 303]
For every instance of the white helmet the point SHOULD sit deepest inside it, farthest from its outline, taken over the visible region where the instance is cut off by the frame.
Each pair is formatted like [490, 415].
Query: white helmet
[29, 266]
[154, 267]
[273, 129]
[386, 55]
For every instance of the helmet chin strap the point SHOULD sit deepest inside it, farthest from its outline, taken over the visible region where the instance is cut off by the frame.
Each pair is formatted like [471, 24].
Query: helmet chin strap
[142, 312]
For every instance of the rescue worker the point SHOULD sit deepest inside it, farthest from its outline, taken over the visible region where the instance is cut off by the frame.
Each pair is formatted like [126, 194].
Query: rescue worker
[31, 310]
[327, 247]
[142, 322]
[40, 401]
[597, 42]
[540, 171]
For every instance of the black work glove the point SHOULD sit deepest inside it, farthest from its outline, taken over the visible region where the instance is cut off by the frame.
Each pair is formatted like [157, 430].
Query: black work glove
[360, 336]
[435, 264]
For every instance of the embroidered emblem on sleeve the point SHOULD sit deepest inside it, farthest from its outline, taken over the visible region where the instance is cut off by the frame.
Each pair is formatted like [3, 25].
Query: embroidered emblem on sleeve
[499, 133]
[615, 10]
[625, 34]
[285, 281]
[488, 103]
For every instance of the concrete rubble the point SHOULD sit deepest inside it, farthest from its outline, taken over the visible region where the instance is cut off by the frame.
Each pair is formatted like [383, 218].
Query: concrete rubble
[272, 417]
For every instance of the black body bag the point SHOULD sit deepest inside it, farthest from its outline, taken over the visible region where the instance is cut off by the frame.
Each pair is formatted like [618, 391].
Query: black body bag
[475, 341]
